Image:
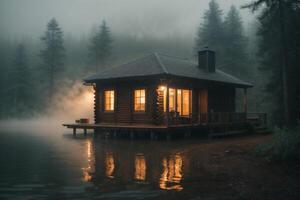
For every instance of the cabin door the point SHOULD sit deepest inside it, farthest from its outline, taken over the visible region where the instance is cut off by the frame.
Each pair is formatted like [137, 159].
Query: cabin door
[203, 106]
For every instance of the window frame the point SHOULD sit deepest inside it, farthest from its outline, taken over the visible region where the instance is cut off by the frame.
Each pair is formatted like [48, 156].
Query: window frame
[177, 100]
[113, 103]
[134, 102]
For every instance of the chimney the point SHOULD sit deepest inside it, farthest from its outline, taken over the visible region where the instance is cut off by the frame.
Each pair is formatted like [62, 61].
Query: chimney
[206, 60]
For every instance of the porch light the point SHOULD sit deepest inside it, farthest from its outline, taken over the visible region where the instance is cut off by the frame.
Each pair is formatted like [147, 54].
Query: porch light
[162, 88]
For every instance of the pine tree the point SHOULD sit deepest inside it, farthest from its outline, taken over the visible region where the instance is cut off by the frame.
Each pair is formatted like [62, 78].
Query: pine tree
[101, 47]
[235, 43]
[21, 80]
[211, 32]
[53, 54]
[279, 52]
[5, 89]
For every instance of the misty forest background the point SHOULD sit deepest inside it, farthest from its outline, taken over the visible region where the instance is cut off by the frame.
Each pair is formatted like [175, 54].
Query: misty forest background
[265, 53]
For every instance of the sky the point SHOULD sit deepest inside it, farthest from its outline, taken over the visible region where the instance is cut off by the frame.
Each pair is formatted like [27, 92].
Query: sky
[158, 18]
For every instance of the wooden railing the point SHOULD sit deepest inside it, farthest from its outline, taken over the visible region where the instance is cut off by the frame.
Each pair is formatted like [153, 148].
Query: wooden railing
[176, 119]
[222, 118]
[258, 119]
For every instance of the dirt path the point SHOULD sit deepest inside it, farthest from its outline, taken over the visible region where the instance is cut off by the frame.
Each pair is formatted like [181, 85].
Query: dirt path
[228, 169]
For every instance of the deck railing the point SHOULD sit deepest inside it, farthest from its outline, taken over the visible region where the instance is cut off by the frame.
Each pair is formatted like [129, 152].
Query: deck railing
[220, 118]
[259, 119]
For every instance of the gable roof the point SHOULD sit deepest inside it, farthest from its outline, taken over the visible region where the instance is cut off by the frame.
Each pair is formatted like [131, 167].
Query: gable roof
[160, 64]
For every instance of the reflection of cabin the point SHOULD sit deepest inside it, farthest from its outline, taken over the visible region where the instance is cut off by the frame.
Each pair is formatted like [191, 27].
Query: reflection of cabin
[162, 92]
[110, 167]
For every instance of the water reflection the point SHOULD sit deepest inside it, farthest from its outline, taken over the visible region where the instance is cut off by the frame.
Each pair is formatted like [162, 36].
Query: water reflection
[117, 163]
[90, 168]
[140, 167]
[172, 173]
[109, 165]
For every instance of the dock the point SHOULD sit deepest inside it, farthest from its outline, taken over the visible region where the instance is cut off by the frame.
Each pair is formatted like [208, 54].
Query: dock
[132, 130]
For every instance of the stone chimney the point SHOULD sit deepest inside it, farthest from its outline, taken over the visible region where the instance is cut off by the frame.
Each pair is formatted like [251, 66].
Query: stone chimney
[207, 60]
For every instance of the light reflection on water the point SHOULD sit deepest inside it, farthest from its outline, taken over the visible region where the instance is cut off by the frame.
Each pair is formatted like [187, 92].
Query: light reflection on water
[64, 167]
[109, 165]
[170, 170]
[89, 169]
[140, 167]
[172, 173]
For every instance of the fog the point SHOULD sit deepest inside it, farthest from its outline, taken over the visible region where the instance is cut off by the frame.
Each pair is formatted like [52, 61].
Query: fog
[158, 25]
[139, 18]
[62, 110]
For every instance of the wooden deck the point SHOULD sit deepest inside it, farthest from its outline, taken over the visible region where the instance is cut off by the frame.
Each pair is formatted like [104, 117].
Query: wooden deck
[125, 127]
[223, 123]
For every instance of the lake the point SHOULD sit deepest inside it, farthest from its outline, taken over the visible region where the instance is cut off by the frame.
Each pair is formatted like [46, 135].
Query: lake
[61, 166]
[46, 162]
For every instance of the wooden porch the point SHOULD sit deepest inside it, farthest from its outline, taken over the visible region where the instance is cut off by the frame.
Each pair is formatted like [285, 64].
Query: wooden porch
[223, 123]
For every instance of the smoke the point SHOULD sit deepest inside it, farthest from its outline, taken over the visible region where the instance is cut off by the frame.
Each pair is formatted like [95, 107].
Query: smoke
[72, 101]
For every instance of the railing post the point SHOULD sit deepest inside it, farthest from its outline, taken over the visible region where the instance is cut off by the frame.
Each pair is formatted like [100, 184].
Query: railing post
[245, 101]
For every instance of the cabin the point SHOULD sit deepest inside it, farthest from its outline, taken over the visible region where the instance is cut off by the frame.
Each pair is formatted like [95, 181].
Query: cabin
[160, 92]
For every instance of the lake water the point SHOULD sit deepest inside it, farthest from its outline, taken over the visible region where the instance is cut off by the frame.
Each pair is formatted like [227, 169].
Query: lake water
[45, 161]
[59, 166]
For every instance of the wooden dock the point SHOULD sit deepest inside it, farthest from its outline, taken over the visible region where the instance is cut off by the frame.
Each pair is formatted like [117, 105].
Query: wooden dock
[131, 129]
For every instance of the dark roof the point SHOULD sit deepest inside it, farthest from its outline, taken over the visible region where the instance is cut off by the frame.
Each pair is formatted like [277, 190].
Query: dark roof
[160, 64]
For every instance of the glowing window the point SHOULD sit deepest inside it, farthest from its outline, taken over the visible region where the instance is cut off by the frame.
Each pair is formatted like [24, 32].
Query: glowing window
[179, 101]
[109, 100]
[172, 98]
[139, 100]
[185, 102]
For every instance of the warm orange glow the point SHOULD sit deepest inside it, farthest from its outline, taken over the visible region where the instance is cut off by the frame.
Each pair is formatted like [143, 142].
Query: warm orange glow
[109, 100]
[172, 99]
[172, 173]
[140, 100]
[140, 167]
[186, 102]
[110, 165]
[89, 96]
[162, 88]
[87, 171]
[179, 100]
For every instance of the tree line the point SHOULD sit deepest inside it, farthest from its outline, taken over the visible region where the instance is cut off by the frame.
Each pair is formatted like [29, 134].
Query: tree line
[23, 86]
[274, 69]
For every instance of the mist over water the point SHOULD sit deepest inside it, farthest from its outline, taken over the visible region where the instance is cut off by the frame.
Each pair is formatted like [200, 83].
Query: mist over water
[69, 103]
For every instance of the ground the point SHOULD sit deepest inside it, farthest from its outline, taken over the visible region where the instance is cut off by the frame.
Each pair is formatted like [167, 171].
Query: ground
[229, 169]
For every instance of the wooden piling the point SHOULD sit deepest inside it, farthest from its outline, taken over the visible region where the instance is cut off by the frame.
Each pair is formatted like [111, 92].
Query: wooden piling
[152, 137]
[131, 135]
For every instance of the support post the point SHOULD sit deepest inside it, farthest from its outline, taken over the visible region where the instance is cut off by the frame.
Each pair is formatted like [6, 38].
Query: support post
[152, 135]
[168, 134]
[167, 106]
[131, 135]
[245, 101]
[74, 131]
[84, 131]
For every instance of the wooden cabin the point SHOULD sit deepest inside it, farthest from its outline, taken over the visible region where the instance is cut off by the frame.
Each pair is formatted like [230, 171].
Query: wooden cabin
[159, 91]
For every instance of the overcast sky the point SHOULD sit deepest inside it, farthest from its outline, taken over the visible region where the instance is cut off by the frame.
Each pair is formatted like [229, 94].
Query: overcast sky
[159, 18]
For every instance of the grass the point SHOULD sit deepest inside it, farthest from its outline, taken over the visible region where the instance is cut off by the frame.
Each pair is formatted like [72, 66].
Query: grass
[284, 146]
